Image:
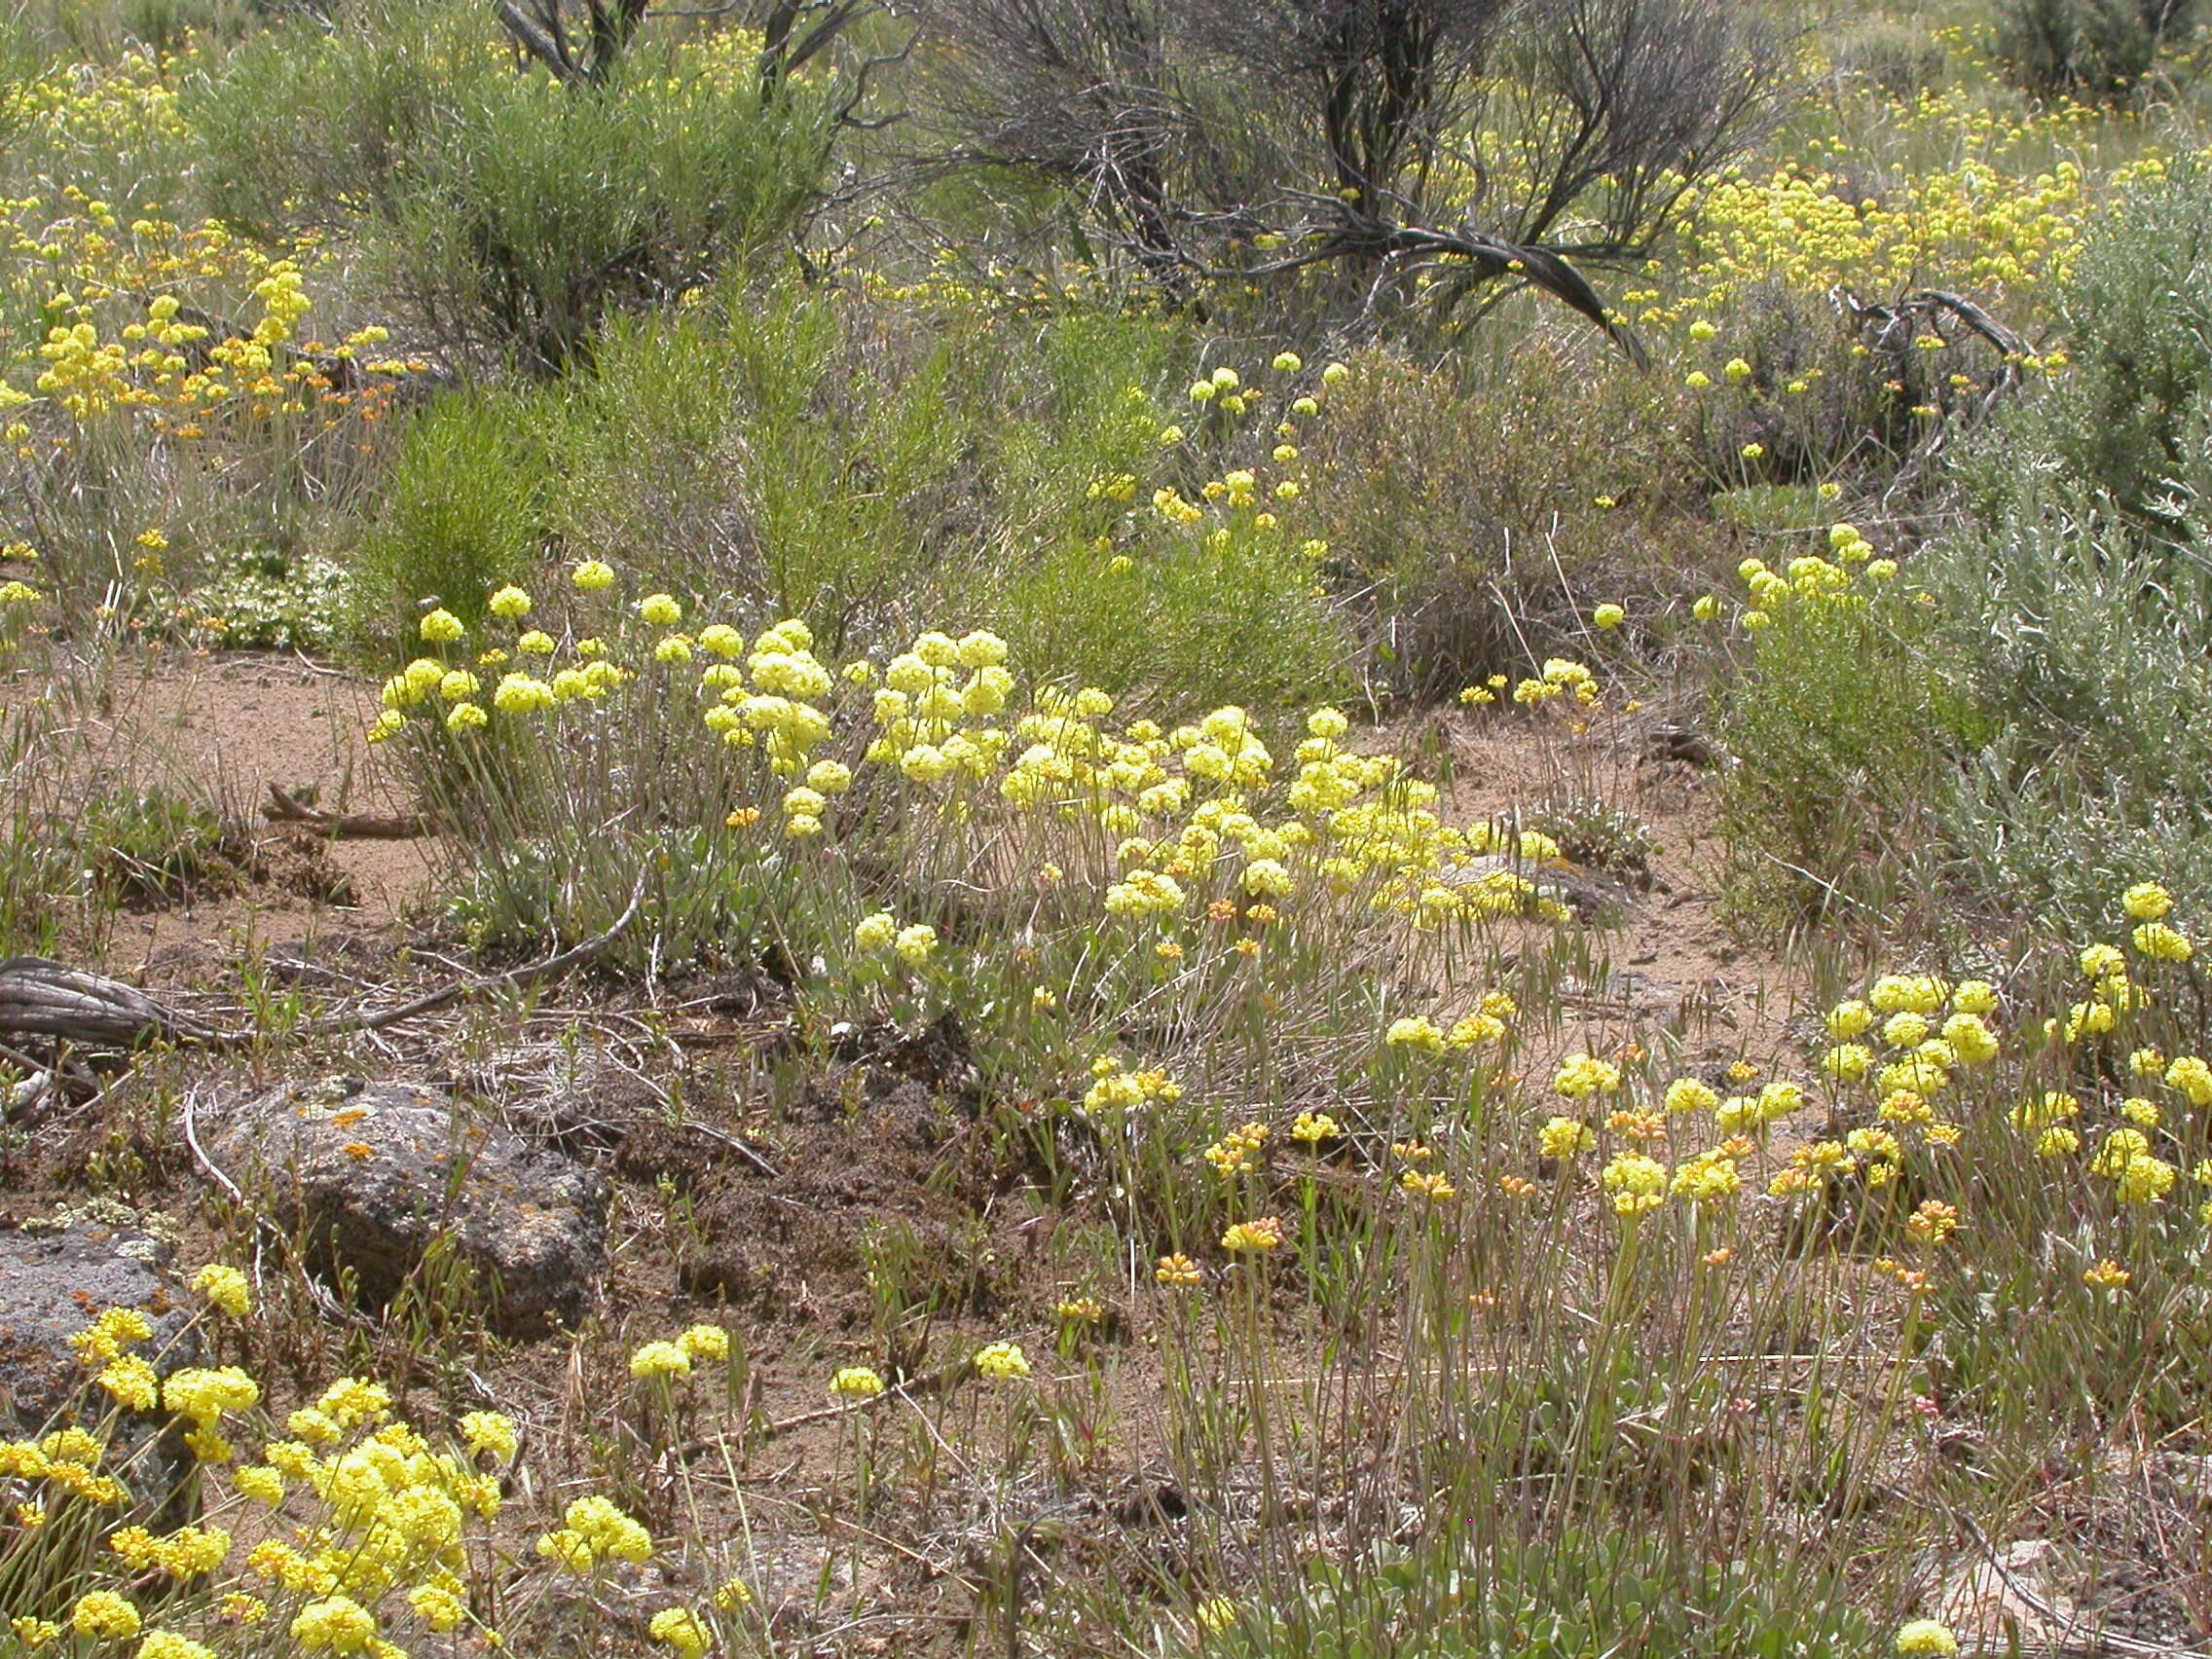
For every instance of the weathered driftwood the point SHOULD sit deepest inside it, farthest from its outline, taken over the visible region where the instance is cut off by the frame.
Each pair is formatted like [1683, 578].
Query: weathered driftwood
[39, 998]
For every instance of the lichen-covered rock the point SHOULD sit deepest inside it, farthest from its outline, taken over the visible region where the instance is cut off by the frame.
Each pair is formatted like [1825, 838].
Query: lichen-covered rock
[53, 1282]
[374, 1174]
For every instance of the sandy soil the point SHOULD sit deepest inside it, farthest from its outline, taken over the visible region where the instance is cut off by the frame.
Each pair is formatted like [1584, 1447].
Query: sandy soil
[226, 728]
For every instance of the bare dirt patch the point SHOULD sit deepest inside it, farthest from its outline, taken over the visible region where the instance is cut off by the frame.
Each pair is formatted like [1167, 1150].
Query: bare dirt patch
[224, 730]
[1663, 957]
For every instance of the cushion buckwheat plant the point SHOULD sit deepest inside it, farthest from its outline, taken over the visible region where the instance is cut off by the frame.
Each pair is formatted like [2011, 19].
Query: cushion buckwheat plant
[1196, 849]
[338, 1525]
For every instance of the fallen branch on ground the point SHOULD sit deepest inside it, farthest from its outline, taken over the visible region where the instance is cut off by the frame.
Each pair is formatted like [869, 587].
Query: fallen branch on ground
[39, 998]
[281, 808]
[50, 1000]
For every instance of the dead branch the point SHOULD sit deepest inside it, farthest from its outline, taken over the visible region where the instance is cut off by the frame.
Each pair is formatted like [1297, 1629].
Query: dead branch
[761, 1165]
[1925, 306]
[1897, 325]
[1479, 257]
[282, 808]
[915, 1388]
[539, 28]
[2091, 1642]
[43, 999]
[515, 979]
[39, 998]
[782, 57]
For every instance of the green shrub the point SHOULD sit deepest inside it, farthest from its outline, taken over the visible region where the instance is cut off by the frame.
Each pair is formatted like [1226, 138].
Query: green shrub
[461, 516]
[804, 456]
[875, 471]
[1601, 1589]
[541, 208]
[2135, 314]
[2095, 48]
[2092, 649]
[1189, 626]
[511, 213]
[1842, 734]
[307, 128]
[2076, 602]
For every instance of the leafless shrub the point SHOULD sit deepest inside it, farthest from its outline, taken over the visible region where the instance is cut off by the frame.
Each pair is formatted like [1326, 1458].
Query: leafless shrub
[1622, 107]
[1083, 93]
[585, 52]
[1473, 140]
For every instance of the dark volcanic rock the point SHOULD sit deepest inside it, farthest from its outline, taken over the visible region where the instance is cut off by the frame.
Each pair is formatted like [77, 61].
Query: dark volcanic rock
[52, 1284]
[374, 1175]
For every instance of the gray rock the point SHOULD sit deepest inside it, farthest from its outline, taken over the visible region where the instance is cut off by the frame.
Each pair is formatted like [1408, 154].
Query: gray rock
[56, 1283]
[1579, 893]
[374, 1175]
[56, 1279]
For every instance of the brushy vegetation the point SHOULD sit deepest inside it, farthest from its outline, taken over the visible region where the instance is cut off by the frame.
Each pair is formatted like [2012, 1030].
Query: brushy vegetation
[2078, 575]
[1092, 600]
[510, 213]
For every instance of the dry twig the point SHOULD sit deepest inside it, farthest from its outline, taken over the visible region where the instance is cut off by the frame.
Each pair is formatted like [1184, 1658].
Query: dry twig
[281, 808]
[50, 1000]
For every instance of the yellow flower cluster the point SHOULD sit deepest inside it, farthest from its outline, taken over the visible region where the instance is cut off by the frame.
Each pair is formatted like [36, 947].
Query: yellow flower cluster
[856, 1383]
[914, 944]
[1991, 223]
[1197, 819]
[660, 1360]
[1001, 1362]
[682, 1628]
[1238, 1153]
[106, 1337]
[707, 1343]
[1561, 678]
[189, 1552]
[68, 1461]
[388, 1511]
[101, 1616]
[1637, 1183]
[336, 1624]
[1115, 1088]
[1178, 1273]
[490, 1434]
[1240, 507]
[106, 351]
[1582, 1075]
[225, 1288]
[595, 1531]
[1845, 581]
[1253, 1237]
